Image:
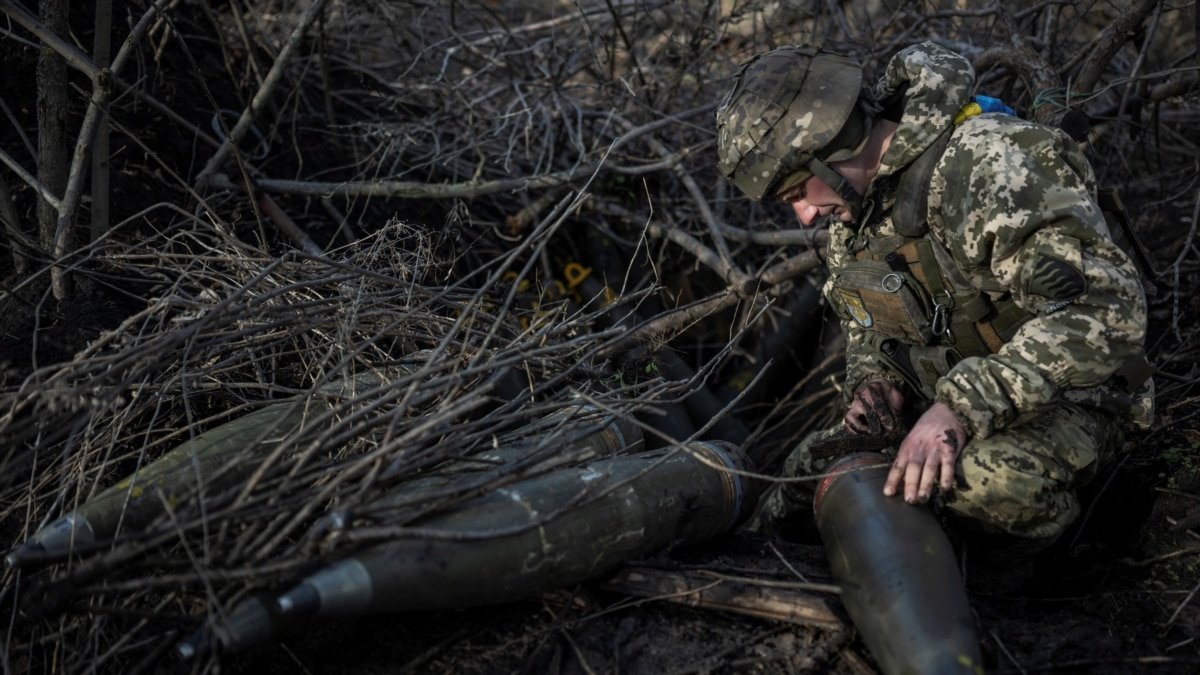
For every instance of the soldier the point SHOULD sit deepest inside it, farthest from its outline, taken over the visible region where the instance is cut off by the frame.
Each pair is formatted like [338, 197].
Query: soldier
[974, 275]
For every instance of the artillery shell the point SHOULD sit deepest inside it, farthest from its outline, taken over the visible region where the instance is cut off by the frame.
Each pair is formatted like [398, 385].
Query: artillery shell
[533, 536]
[222, 454]
[900, 583]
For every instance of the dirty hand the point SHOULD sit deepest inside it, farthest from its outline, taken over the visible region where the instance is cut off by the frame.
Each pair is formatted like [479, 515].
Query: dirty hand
[927, 454]
[875, 408]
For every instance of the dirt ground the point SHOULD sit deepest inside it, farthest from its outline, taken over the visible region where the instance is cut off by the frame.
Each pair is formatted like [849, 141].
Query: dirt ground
[1113, 596]
[1110, 607]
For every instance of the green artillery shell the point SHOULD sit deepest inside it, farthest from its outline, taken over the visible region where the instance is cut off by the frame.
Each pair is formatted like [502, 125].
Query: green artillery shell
[532, 536]
[255, 622]
[897, 569]
[138, 499]
[571, 426]
[570, 435]
[226, 452]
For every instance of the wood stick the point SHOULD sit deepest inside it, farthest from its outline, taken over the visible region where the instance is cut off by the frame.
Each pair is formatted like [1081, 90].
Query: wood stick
[790, 603]
[263, 93]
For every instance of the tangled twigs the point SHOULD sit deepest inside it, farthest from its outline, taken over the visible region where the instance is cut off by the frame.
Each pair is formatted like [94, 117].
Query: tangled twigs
[673, 321]
[102, 82]
[1039, 75]
[537, 220]
[739, 282]
[722, 262]
[233, 324]
[273, 78]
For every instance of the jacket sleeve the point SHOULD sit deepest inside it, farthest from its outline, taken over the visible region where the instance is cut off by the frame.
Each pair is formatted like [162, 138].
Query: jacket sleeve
[863, 363]
[1014, 204]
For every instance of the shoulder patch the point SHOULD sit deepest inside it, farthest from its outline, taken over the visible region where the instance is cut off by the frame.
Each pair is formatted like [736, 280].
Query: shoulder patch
[1056, 279]
[855, 307]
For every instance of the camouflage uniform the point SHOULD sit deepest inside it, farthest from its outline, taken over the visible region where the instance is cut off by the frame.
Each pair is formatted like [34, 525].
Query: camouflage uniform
[1012, 218]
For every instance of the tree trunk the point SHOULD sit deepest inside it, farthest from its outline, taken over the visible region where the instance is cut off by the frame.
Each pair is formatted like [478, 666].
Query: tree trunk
[53, 145]
[101, 54]
[12, 226]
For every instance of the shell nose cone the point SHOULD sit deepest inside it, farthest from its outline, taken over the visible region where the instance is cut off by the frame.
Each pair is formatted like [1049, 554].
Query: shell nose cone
[24, 554]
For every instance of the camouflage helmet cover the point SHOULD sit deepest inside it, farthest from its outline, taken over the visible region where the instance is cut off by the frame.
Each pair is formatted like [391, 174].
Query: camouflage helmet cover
[784, 107]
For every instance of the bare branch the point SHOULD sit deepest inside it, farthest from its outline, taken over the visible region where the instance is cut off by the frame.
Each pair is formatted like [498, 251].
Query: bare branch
[30, 180]
[1109, 42]
[73, 56]
[101, 90]
[272, 79]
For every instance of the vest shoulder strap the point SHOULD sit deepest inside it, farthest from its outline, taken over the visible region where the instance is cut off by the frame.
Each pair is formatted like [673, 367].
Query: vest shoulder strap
[910, 214]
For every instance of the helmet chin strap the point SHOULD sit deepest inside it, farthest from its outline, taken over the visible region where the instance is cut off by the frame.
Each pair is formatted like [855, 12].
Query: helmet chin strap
[828, 175]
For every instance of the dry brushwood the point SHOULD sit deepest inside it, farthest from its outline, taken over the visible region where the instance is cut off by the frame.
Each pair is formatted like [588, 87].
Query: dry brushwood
[227, 330]
[509, 209]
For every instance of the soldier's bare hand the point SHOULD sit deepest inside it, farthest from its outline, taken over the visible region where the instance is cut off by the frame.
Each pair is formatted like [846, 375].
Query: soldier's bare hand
[927, 455]
[875, 408]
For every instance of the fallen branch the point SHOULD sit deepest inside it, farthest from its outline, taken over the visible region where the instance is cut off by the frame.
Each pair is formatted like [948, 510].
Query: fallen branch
[790, 602]
[671, 321]
[807, 237]
[399, 189]
[1111, 40]
[722, 263]
[741, 284]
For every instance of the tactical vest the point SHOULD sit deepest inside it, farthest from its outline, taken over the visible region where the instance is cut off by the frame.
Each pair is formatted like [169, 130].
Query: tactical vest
[921, 313]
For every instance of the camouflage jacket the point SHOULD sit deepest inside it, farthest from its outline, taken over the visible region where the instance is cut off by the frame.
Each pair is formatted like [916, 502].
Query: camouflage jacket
[1008, 200]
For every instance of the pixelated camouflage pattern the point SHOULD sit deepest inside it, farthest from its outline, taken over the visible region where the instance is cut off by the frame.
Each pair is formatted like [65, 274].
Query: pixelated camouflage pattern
[1021, 483]
[937, 83]
[793, 497]
[1014, 205]
[783, 107]
[1039, 214]
[1008, 199]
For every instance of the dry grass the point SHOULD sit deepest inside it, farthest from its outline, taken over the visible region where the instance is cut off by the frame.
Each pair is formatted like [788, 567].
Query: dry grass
[427, 182]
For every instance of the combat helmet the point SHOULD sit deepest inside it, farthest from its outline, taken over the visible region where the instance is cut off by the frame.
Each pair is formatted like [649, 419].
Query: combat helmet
[789, 112]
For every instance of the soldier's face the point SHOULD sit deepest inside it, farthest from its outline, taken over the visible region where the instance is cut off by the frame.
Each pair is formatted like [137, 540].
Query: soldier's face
[813, 199]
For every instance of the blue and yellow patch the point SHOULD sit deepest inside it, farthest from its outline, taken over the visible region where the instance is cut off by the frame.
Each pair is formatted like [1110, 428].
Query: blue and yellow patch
[854, 305]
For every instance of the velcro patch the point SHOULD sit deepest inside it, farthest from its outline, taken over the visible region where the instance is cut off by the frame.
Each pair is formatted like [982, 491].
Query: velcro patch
[855, 306]
[1056, 279]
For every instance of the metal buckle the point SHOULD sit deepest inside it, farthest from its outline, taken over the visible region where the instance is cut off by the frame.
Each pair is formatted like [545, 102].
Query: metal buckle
[891, 283]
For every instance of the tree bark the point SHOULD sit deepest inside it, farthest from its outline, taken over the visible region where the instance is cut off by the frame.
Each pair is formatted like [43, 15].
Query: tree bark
[12, 225]
[101, 54]
[53, 144]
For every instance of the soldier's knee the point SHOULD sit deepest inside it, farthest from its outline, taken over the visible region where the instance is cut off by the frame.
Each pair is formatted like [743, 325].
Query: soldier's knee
[1013, 496]
[801, 461]
[786, 507]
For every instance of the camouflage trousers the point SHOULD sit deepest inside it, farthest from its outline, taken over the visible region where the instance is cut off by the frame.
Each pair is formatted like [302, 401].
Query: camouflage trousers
[1020, 482]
